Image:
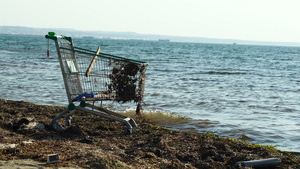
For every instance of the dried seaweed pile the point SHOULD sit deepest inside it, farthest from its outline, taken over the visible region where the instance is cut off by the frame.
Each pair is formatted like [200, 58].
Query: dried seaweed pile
[124, 78]
[95, 142]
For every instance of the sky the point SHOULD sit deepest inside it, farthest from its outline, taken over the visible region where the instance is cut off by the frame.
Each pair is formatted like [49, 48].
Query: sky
[259, 20]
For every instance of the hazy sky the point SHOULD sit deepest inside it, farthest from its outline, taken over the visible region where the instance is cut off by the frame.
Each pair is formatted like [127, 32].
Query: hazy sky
[263, 20]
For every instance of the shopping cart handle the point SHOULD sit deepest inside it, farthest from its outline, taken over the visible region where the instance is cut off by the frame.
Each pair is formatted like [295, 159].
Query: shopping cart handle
[51, 35]
[88, 71]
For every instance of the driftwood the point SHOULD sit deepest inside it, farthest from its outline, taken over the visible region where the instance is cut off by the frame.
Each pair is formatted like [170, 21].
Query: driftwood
[88, 71]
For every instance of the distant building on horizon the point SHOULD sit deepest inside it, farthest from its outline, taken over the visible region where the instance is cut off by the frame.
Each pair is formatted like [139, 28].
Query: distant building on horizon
[164, 40]
[87, 37]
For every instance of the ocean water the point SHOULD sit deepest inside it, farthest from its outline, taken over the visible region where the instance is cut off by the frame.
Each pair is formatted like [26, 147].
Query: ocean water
[250, 93]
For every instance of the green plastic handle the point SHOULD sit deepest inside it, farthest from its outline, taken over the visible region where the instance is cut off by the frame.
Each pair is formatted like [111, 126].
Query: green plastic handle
[51, 35]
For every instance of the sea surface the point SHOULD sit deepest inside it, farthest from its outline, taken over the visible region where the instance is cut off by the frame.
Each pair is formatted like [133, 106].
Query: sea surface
[251, 93]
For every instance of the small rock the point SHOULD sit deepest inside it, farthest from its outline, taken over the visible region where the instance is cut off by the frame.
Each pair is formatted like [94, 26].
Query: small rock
[27, 142]
[23, 121]
[35, 125]
[3, 146]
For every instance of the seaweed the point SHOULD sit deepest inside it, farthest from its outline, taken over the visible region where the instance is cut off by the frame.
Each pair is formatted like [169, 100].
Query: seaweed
[96, 142]
[124, 78]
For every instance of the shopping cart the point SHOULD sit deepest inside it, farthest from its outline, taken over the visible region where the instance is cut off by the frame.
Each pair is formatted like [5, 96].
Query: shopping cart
[91, 76]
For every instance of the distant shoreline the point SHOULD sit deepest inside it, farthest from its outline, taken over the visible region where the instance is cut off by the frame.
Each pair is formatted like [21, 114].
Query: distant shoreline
[19, 30]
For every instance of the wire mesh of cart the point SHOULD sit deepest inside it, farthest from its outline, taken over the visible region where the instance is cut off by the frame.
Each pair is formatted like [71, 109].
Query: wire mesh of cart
[91, 76]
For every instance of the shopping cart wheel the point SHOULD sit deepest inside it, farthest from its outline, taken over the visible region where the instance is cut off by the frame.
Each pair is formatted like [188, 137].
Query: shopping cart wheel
[68, 121]
[82, 104]
[71, 106]
[56, 126]
[128, 131]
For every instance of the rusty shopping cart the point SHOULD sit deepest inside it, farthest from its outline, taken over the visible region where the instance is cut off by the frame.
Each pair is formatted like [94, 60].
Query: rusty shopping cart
[91, 76]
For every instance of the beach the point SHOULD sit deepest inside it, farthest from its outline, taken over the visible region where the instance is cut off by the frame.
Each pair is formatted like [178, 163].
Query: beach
[240, 91]
[245, 92]
[26, 164]
[94, 142]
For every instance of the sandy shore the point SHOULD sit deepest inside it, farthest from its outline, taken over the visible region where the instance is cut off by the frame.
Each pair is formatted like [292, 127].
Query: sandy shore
[94, 142]
[27, 164]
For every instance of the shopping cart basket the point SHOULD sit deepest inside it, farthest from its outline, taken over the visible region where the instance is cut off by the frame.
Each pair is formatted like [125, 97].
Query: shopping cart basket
[91, 76]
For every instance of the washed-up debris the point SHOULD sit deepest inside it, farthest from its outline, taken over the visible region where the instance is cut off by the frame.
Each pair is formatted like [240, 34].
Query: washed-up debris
[26, 124]
[34, 126]
[262, 163]
[4, 146]
[52, 158]
[123, 81]
[27, 142]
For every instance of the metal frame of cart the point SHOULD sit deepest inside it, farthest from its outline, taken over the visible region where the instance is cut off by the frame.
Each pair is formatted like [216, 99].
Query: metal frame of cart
[91, 76]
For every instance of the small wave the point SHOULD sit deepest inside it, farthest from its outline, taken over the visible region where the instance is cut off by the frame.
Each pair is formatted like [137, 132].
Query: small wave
[155, 94]
[205, 123]
[200, 103]
[245, 138]
[7, 52]
[224, 73]
[160, 117]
